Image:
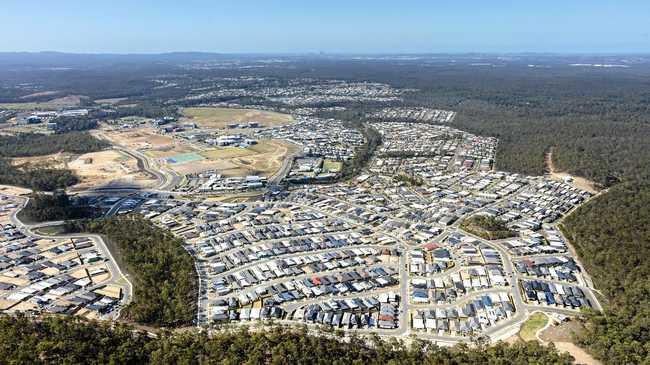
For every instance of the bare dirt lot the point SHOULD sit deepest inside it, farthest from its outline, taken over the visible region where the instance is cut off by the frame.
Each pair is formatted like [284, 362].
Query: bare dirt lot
[219, 118]
[54, 161]
[104, 168]
[577, 181]
[14, 190]
[140, 139]
[264, 158]
[562, 336]
[39, 94]
[108, 168]
[110, 101]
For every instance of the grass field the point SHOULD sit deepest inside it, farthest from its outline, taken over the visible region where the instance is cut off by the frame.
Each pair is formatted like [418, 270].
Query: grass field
[532, 325]
[221, 117]
[227, 152]
[64, 102]
[110, 101]
[332, 166]
[185, 158]
[50, 230]
[264, 158]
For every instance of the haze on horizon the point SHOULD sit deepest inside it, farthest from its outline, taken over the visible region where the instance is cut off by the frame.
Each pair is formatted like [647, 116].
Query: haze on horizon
[379, 26]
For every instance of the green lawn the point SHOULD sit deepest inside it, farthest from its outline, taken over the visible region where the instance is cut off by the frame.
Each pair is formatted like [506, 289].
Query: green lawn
[332, 166]
[51, 230]
[532, 325]
[226, 153]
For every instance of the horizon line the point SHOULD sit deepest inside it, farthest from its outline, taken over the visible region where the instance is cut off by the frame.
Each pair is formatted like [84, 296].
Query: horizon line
[336, 53]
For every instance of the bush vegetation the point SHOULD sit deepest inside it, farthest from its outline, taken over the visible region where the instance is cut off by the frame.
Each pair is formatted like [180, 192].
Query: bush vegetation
[486, 227]
[38, 177]
[55, 207]
[36, 144]
[410, 180]
[67, 340]
[598, 123]
[163, 275]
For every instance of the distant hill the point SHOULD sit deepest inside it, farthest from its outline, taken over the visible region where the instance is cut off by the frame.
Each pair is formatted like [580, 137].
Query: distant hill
[88, 60]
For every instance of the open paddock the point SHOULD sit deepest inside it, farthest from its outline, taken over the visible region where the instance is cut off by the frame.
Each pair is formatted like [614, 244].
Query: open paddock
[219, 118]
[263, 158]
[144, 138]
[69, 101]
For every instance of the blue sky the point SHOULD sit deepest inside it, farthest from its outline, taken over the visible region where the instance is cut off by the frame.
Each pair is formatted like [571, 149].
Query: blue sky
[353, 26]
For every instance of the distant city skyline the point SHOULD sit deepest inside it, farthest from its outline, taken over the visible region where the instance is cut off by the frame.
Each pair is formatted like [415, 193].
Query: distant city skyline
[598, 26]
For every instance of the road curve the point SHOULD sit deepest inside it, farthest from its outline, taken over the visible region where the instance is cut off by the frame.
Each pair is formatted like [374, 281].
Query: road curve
[97, 239]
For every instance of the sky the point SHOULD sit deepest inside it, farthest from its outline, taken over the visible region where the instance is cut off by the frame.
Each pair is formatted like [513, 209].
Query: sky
[332, 26]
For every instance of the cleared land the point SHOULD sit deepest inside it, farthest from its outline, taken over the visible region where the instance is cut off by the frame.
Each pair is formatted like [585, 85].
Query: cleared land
[562, 337]
[54, 161]
[264, 158]
[534, 323]
[39, 94]
[108, 168]
[14, 190]
[103, 168]
[49, 230]
[577, 181]
[141, 139]
[110, 101]
[64, 102]
[219, 118]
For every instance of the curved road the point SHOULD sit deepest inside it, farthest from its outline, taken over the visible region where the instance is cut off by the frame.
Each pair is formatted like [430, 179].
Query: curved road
[116, 272]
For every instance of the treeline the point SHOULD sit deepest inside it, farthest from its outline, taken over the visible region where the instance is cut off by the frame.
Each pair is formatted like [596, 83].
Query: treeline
[36, 144]
[364, 153]
[69, 340]
[489, 228]
[36, 178]
[56, 207]
[612, 237]
[598, 123]
[145, 110]
[74, 124]
[163, 274]
[42, 178]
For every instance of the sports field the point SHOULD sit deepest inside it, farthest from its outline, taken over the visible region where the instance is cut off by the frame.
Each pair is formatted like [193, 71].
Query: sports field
[332, 166]
[227, 152]
[184, 158]
[219, 118]
[264, 158]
